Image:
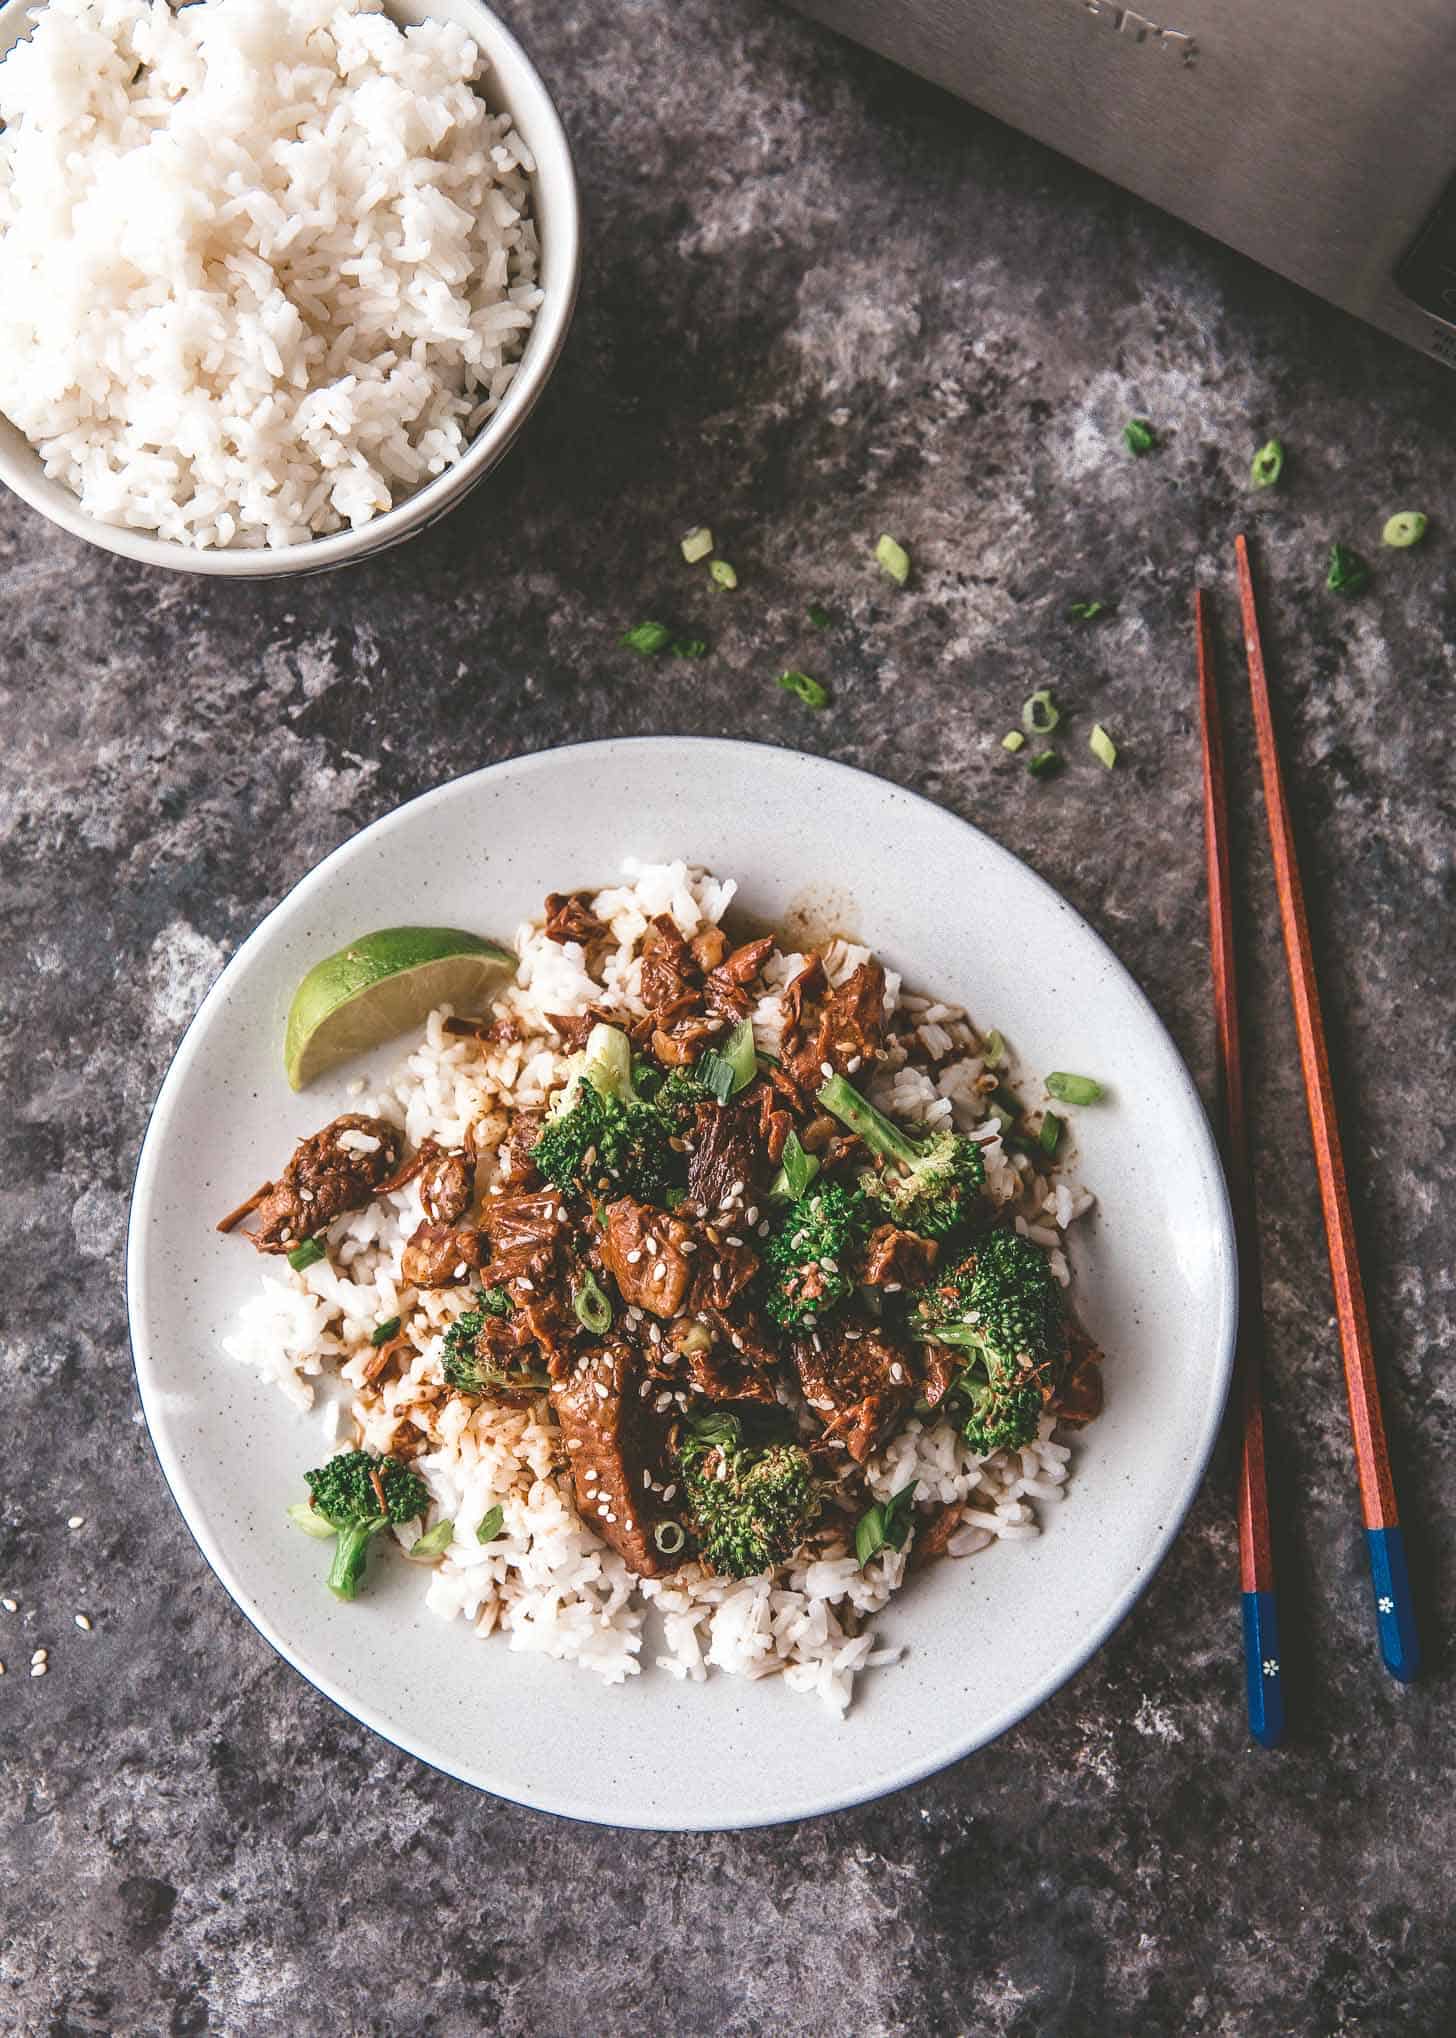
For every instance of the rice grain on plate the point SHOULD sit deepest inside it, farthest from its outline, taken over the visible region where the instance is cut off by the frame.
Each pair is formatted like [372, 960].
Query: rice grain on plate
[548, 1582]
[265, 265]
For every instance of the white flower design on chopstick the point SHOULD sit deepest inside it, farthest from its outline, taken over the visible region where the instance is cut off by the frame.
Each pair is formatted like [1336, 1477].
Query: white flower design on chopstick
[1271, 1666]
[1385, 1603]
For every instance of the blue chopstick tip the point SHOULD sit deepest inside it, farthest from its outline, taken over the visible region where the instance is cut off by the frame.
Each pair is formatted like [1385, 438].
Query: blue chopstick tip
[1394, 1611]
[1263, 1673]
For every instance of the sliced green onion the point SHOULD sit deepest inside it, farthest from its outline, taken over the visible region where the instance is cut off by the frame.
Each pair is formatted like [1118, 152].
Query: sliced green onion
[1102, 746]
[305, 1255]
[1089, 611]
[820, 617]
[1267, 465]
[491, 1524]
[433, 1543]
[697, 544]
[1050, 1136]
[993, 1049]
[669, 1538]
[648, 638]
[894, 559]
[1348, 572]
[1013, 740]
[810, 692]
[1139, 437]
[738, 1049]
[715, 1074]
[1069, 1089]
[593, 1310]
[1406, 527]
[310, 1520]
[797, 1169]
[885, 1525]
[1046, 764]
[1039, 713]
[690, 647]
[723, 573]
[383, 1332]
[1007, 1101]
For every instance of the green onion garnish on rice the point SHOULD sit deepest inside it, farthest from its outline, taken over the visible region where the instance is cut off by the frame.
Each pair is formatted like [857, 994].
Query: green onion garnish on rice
[810, 692]
[1050, 1136]
[1069, 1089]
[697, 544]
[1013, 740]
[894, 559]
[305, 1255]
[593, 1310]
[491, 1524]
[1039, 713]
[993, 1049]
[433, 1543]
[723, 574]
[1267, 465]
[1406, 527]
[1102, 746]
[383, 1332]
[1046, 764]
[647, 638]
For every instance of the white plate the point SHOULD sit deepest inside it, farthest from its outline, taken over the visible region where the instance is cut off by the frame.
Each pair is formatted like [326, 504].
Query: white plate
[988, 1637]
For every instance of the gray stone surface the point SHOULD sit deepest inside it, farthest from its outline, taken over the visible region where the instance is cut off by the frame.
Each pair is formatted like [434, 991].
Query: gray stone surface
[820, 301]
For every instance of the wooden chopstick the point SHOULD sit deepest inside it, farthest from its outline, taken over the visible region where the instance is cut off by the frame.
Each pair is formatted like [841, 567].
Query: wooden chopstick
[1394, 1613]
[1262, 1673]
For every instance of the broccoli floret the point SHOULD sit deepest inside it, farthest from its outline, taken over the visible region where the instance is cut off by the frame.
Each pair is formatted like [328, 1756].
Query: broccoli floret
[473, 1371]
[1001, 1304]
[751, 1506]
[828, 1225]
[602, 1128]
[677, 1096]
[927, 1185]
[359, 1495]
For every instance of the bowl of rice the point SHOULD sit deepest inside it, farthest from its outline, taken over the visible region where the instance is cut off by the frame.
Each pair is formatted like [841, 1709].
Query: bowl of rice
[280, 280]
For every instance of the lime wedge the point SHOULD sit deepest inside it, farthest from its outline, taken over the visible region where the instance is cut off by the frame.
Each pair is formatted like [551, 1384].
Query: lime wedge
[382, 985]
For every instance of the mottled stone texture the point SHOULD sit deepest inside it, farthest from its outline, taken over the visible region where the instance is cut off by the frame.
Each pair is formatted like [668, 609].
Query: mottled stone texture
[820, 301]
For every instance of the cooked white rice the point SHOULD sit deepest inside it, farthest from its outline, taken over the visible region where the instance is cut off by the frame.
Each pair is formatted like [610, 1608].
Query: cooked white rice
[265, 265]
[548, 1581]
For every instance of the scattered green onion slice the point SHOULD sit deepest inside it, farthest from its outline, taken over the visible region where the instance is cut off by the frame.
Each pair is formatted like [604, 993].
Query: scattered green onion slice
[305, 1255]
[730, 1067]
[433, 1543]
[697, 544]
[669, 1537]
[383, 1332]
[819, 616]
[1007, 1101]
[310, 1520]
[715, 1074]
[810, 692]
[993, 1049]
[1089, 611]
[723, 573]
[886, 1525]
[491, 1524]
[1406, 527]
[1046, 764]
[894, 559]
[797, 1169]
[1267, 465]
[1050, 1136]
[1068, 1089]
[1013, 740]
[593, 1310]
[1139, 437]
[690, 647]
[1102, 746]
[647, 638]
[1348, 572]
[1039, 713]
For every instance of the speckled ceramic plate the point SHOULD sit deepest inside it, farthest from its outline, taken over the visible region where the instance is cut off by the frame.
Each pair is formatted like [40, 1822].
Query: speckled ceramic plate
[988, 1638]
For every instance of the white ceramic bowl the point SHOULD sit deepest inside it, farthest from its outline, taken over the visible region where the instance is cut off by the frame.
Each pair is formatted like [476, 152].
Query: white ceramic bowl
[512, 85]
[988, 1637]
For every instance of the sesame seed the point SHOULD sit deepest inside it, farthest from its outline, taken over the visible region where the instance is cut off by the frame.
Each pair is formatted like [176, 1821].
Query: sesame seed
[750, 1215]
[649, 1241]
[853, 1063]
[76, 1521]
[38, 1669]
[662, 1403]
[669, 1491]
[461, 1271]
[647, 1481]
[10, 1605]
[523, 1282]
[2, 1669]
[736, 1190]
[659, 1272]
[717, 1270]
[654, 1331]
[737, 1342]
[892, 1287]
[589, 1476]
[644, 1390]
[734, 1241]
[826, 1068]
[763, 1229]
[634, 1256]
[573, 1443]
[40, 1655]
[589, 1156]
[601, 1389]
[829, 1264]
[83, 1622]
[689, 1245]
[897, 1371]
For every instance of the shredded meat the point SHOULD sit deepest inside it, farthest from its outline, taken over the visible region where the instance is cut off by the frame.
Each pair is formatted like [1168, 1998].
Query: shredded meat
[726, 987]
[532, 1220]
[642, 1251]
[518, 1170]
[857, 1385]
[575, 1026]
[442, 1255]
[708, 947]
[323, 1179]
[930, 1541]
[809, 985]
[1079, 1398]
[722, 1274]
[671, 980]
[725, 1150]
[686, 1041]
[611, 1439]
[897, 1258]
[570, 918]
[447, 1180]
[943, 1367]
[850, 1027]
[723, 1374]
